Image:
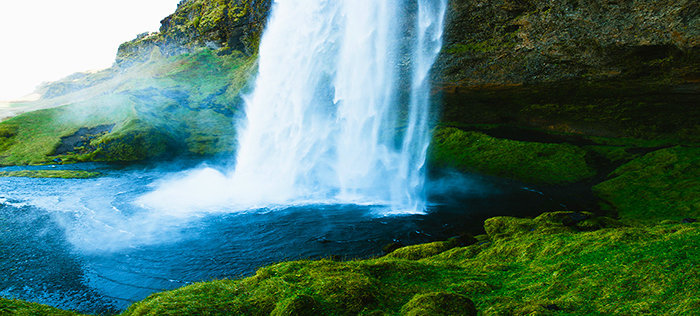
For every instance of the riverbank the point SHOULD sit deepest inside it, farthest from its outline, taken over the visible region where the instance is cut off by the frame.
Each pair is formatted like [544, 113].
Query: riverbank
[557, 263]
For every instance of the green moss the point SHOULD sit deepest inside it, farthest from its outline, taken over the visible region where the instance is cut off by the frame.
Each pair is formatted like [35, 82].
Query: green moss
[38, 133]
[64, 174]
[525, 161]
[299, 305]
[664, 184]
[417, 252]
[496, 44]
[606, 271]
[547, 223]
[169, 106]
[134, 141]
[232, 25]
[20, 308]
[552, 269]
[614, 154]
[439, 303]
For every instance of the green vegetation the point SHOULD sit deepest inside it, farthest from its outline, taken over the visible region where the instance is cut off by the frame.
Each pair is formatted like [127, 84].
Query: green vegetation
[557, 263]
[561, 263]
[664, 184]
[20, 308]
[526, 161]
[167, 106]
[35, 135]
[439, 303]
[480, 48]
[64, 174]
[227, 26]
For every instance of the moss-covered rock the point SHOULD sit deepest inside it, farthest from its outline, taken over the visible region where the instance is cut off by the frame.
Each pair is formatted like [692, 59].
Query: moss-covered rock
[222, 25]
[421, 251]
[439, 303]
[183, 105]
[607, 271]
[21, 308]
[63, 174]
[664, 184]
[300, 305]
[525, 161]
[506, 41]
[547, 223]
[137, 141]
[351, 292]
[587, 67]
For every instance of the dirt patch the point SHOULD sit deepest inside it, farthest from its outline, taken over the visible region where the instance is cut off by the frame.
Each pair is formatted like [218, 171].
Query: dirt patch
[80, 141]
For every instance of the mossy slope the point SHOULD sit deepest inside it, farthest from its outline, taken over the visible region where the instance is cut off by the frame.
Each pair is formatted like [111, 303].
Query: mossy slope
[21, 308]
[223, 25]
[664, 184]
[526, 161]
[166, 106]
[63, 174]
[553, 269]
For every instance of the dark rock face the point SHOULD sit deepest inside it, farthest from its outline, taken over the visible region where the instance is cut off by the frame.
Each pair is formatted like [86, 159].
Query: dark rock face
[532, 41]
[222, 25]
[487, 42]
[80, 141]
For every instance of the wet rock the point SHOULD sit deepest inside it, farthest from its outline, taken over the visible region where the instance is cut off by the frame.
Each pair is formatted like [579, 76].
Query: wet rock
[689, 220]
[80, 141]
[504, 42]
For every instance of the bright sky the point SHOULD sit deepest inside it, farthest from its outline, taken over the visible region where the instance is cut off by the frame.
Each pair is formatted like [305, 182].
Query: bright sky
[45, 40]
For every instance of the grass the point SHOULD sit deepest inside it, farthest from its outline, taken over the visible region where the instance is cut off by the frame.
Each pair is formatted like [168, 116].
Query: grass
[21, 308]
[556, 267]
[531, 162]
[166, 106]
[662, 185]
[555, 264]
[64, 174]
[34, 136]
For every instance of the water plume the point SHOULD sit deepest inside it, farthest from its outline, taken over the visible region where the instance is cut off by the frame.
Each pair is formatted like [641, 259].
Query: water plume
[328, 120]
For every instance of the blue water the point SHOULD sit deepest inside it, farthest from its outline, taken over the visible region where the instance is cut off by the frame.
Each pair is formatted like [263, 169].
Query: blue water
[84, 245]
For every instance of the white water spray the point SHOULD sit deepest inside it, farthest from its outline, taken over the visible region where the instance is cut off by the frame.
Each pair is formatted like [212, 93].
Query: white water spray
[327, 121]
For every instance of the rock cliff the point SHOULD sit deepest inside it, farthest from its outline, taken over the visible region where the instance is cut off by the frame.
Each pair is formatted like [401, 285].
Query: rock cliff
[221, 25]
[531, 41]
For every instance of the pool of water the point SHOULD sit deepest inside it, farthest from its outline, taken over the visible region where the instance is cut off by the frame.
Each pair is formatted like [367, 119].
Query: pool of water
[85, 245]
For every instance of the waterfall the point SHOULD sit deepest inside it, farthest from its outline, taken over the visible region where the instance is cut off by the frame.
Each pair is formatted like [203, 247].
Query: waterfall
[331, 118]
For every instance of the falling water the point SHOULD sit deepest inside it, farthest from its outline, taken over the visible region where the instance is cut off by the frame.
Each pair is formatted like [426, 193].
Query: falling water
[329, 119]
[325, 115]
